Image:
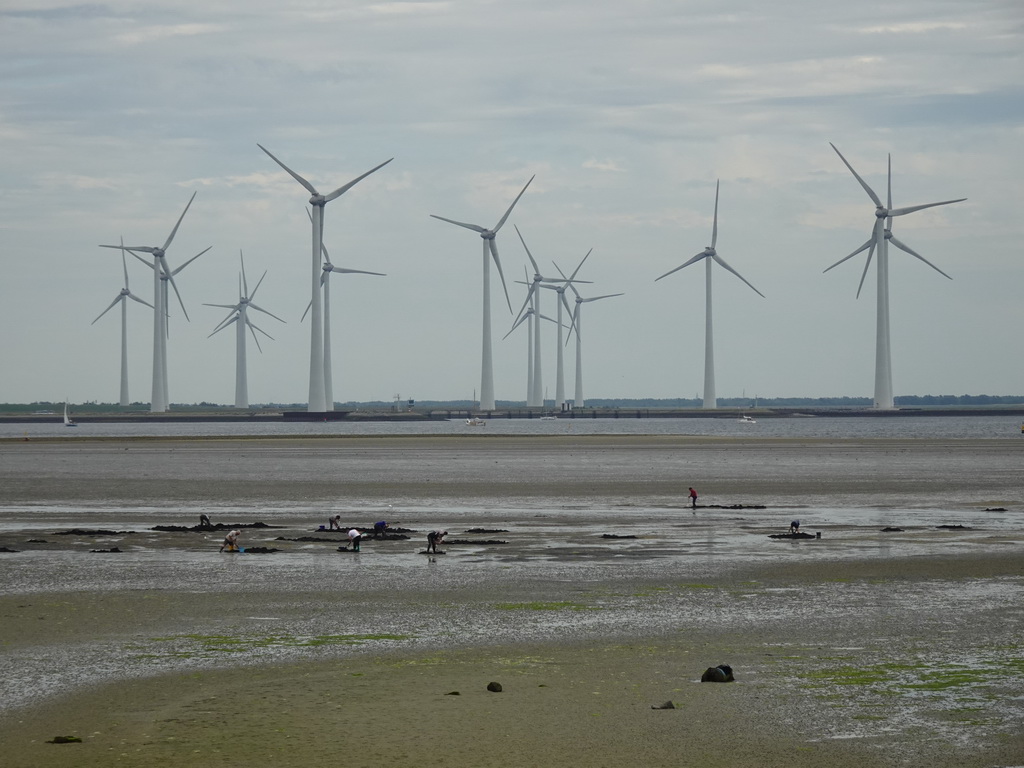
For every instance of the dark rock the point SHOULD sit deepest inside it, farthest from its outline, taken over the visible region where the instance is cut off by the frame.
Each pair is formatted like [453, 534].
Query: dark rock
[995, 509]
[494, 687]
[486, 530]
[260, 550]
[208, 528]
[733, 506]
[954, 527]
[112, 549]
[720, 674]
[65, 740]
[890, 529]
[5, 549]
[666, 705]
[97, 532]
[477, 542]
[453, 693]
[38, 541]
[800, 535]
[616, 536]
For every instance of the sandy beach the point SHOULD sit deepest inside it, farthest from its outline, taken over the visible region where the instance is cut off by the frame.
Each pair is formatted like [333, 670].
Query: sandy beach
[860, 648]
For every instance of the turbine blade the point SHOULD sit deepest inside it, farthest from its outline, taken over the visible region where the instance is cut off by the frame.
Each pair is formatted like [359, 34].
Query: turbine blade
[307, 311]
[869, 244]
[517, 324]
[598, 298]
[124, 264]
[175, 230]
[867, 265]
[575, 271]
[245, 283]
[265, 312]
[101, 314]
[694, 260]
[714, 227]
[258, 284]
[474, 227]
[254, 337]
[888, 199]
[509, 211]
[172, 274]
[140, 248]
[348, 271]
[309, 187]
[497, 263]
[141, 301]
[174, 285]
[346, 187]
[912, 208]
[529, 295]
[914, 253]
[533, 261]
[722, 262]
[869, 190]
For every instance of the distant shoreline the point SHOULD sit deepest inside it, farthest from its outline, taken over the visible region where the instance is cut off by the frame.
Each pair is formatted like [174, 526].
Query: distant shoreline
[446, 414]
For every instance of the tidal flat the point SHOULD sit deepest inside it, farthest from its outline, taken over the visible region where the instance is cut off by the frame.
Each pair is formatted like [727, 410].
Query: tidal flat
[894, 639]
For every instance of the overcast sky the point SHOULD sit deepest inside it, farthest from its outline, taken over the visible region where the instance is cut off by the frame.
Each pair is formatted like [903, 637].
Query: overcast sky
[113, 113]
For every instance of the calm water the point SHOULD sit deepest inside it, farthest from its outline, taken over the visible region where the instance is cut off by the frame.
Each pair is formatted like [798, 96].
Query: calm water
[941, 427]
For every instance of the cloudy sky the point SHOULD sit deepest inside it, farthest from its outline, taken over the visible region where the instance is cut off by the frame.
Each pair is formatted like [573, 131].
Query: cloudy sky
[113, 113]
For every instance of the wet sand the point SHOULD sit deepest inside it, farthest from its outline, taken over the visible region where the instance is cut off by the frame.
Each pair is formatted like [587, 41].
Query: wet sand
[856, 649]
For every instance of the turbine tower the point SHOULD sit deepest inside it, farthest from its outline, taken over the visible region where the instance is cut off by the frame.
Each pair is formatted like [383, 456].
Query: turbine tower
[881, 235]
[317, 393]
[577, 401]
[537, 386]
[162, 275]
[325, 282]
[239, 316]
[121, 297]
[709, 255]
[488, 236]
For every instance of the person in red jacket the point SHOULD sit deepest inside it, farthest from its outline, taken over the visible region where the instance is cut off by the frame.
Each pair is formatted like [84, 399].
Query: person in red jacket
[693, 498]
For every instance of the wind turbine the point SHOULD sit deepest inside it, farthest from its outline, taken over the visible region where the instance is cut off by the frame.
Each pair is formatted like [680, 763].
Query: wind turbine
[239, 315]
[881, 235]
[560, 290]
[488, 236]
[121, 297]
[317, 392]
[325, 282]
[576, 318]
[532, 318]
[161, 276]
[537, 387]
[709, 255]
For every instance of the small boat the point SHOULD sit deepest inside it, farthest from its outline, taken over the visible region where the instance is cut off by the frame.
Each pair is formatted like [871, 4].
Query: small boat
[67, 419]
[745, 419]
[475, 421]
[549, 418]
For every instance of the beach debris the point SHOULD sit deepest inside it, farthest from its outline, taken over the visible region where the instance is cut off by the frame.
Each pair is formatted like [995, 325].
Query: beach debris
[954, 527]
[666, 705]
[102, 551]
[65, 740]
[38, 541]
[995, 509]
[453, 693]
[5, 549]
[798, 535]
[259, 550]
[494, 687]
[486, 530]
[720, 674]
[890, 529]
[617, 536]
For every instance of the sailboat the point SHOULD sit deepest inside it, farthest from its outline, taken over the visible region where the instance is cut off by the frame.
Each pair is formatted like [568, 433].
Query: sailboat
[67, 419]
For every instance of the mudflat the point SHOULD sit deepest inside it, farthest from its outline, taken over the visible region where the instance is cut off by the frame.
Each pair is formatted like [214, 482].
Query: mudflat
[594, 596]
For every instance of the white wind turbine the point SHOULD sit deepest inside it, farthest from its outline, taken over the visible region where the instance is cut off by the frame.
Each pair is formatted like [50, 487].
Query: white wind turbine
[709, 255]
[121, 297]
[162, 275]
[881, 235]
[317, 376]
[576, 319]
[560, 290]
[325, 282]
[532, 318]
[489, 249]
[239, 315]
[536, 390]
